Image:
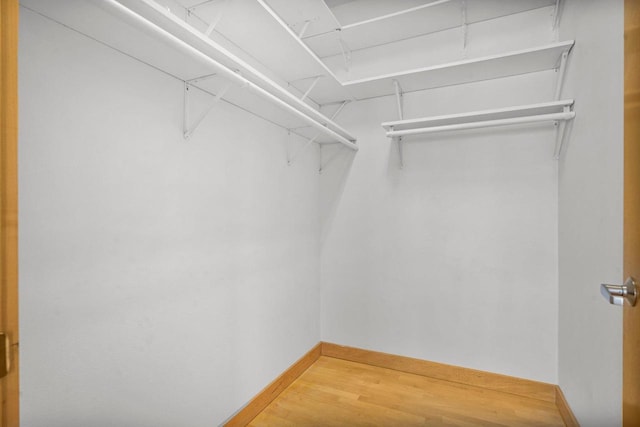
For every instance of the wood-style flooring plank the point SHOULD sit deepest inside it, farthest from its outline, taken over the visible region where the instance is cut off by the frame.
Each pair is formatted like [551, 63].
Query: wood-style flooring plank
[335, 392]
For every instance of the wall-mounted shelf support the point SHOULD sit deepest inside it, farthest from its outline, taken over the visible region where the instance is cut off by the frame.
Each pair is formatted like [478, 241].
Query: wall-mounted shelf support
[197, 5]
[304, 28]
[322, 164]
[399, 99]
[561, 72]
[561, 127]
[346, 53]
[557, 11]
[187, 130]
[400, 104]
[310, 88]
[465, 26]
[312, 140]
[217, 18]
[301, 149]
[201, 78]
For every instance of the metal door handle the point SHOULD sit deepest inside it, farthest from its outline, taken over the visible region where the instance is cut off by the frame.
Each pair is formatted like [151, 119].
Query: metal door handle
[617, 294]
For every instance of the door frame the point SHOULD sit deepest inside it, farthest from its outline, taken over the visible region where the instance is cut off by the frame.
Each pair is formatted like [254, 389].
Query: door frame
[9, 385]
[631, 323]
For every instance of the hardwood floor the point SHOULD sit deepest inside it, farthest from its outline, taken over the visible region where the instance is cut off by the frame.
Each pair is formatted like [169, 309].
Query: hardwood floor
[335, 392]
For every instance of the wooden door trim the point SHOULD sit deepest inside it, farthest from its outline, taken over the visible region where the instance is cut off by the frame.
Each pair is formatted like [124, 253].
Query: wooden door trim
[9, 203]
[631, 323]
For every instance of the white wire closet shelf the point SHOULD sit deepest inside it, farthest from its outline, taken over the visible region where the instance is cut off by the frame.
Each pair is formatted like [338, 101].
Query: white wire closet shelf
[541, 58]
[226, 64]
[318, 33]
[398, 24]
[548, 111]
[256, 30]
[171, 37]
[559, 112]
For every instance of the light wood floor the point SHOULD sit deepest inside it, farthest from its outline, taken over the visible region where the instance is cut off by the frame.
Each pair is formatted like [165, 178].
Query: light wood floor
[334, 392]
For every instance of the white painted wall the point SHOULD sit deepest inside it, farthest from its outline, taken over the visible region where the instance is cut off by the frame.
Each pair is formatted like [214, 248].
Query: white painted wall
[454, 258]
[590, 214]
[162, 282]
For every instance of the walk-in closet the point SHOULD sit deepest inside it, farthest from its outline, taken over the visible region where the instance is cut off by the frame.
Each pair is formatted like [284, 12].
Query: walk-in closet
[218, 197]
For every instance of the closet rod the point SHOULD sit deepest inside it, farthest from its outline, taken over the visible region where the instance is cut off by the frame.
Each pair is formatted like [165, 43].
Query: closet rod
[234, 76]
[483, 124]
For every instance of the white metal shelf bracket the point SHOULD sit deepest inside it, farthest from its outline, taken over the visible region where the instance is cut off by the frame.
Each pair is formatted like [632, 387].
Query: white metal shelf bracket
[217, 18]
[304, 28]
[465, 26]
[561, 72]
[187, 130]
[316, 136]
[400, 105]
[346, 52]
[333, 116]
[197, 5]
[200, 78]
[557, 12]
[301, 149]
[561, 127]
[324, 164]
[310, 88]
[399, 99]
[191, 11]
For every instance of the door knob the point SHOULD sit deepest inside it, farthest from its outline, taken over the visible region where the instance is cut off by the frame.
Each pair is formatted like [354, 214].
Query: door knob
[616, 294]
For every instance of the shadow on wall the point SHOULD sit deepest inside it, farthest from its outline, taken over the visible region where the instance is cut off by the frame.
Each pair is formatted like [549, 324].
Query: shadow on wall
[335, 164]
